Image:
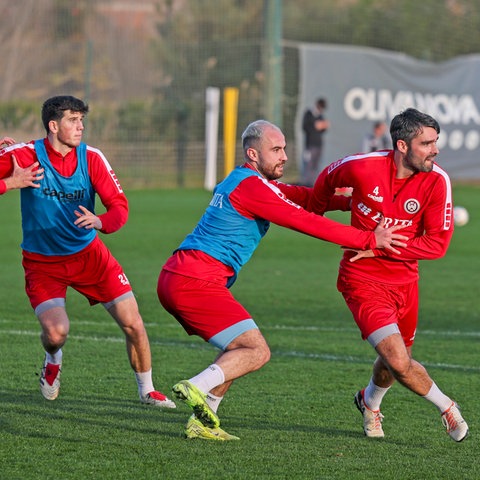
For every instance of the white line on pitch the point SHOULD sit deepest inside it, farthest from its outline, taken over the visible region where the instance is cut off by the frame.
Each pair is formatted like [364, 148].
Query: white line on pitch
[300, 328]
[280, 353]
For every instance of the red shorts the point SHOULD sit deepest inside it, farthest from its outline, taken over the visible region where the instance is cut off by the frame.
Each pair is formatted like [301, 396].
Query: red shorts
[375, 305]
[202, 307]
[94, 272]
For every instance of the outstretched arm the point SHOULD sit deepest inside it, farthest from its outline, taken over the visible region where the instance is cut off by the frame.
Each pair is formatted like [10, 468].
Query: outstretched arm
[257, 198]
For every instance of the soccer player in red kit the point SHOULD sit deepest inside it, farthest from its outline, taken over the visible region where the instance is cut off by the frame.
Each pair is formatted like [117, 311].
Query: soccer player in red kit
[59, 177]
[403, 186]
[194, 282]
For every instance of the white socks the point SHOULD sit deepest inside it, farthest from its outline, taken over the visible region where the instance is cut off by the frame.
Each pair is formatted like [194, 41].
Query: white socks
[373, 395]
[54, 358]
[144, 382]
[438, 398]
[210, 378]
[213, 401]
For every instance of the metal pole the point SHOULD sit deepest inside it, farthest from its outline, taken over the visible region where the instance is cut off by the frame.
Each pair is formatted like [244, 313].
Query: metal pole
[273, 61]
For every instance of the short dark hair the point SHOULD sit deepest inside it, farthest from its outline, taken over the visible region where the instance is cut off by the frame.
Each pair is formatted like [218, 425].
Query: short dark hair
[409, 124]
[54, 107]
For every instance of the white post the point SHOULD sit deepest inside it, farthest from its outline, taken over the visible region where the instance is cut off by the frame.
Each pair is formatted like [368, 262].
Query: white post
[211, 136]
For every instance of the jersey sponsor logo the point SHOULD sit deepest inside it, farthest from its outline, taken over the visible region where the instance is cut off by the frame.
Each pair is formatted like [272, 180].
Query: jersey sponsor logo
[217, 200]
[412, 205]
[68, 196]
[392, 222]
[376, 199]
[375, 196]
[365, 209]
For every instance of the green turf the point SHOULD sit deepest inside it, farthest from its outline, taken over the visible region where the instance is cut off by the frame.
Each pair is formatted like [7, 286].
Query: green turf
[295, 416]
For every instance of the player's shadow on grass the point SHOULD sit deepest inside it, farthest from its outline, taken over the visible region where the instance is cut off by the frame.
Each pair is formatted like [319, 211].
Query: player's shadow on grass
[236, 424]
[26, 413]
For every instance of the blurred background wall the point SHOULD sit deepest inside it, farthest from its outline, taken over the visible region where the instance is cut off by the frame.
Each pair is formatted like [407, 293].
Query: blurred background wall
[144, 67]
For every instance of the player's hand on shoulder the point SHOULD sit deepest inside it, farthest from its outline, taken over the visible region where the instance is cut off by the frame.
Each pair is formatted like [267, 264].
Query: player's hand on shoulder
[7, 141]
[24, 177]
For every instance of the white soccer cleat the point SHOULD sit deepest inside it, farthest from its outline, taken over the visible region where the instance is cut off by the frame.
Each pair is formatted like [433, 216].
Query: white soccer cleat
[50, 380]
[372, 419]
[453, 421]
[157, 399]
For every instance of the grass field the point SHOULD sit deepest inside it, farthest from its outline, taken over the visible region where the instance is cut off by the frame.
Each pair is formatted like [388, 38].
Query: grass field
[295, 416]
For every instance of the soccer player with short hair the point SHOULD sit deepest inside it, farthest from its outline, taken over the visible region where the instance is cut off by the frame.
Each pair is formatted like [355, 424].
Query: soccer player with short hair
[403, 186]
[194, 282]
[59, 177]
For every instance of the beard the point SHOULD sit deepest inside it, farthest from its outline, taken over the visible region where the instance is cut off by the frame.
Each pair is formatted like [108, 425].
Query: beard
[416, 164]
[270, 172]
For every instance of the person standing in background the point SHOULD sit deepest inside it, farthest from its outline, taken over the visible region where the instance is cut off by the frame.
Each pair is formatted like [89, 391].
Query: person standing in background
[377, 139]
[314, 126]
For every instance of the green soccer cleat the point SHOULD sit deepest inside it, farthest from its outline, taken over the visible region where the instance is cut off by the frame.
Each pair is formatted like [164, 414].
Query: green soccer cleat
[192, 396]
[195, 429]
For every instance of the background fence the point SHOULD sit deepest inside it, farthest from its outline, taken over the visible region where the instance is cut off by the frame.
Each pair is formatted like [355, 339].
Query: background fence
[144, 66]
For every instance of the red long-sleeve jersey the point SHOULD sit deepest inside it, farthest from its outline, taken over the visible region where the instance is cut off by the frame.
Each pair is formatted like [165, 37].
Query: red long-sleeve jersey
[282, 204]
[421, 203]
[101, 174]
[227, 234]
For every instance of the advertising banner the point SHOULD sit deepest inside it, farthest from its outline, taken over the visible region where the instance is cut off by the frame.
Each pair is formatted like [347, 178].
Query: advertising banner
[366, 85]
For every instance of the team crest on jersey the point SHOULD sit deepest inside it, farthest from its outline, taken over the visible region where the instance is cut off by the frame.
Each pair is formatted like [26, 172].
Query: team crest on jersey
[412, 205]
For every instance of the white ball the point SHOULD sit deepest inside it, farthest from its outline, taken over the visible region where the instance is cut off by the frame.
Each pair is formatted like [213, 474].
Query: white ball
[460, 216]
